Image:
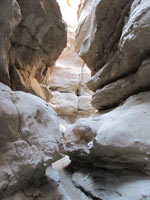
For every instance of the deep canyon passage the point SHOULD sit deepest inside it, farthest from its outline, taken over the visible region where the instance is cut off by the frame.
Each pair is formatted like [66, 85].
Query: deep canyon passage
[74, 100]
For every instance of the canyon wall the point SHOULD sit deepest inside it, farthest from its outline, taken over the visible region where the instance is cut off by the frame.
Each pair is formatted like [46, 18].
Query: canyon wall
[30, 31]
[110, 151]
[117, 51]
[29, 127]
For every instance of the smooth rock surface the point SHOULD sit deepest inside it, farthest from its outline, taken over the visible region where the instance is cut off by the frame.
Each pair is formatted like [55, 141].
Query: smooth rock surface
[104, 185]
[114, 93]
[64, 103]
[115, 140]
[65, 79]
[133, 47]
[29, 136]
[110, 152]
[115, 67]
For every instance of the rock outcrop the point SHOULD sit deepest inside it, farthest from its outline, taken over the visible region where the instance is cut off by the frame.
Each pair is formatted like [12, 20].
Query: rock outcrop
[122, 49]
[30, 31]
[110, 151]
[113, 145]
[29, 147]
[99, 30]
[29, 137]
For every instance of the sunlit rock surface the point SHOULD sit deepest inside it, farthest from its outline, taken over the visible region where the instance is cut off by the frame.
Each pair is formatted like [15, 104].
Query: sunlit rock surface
[30, 31]
[29, 136]
[70, 96]
[110, 152]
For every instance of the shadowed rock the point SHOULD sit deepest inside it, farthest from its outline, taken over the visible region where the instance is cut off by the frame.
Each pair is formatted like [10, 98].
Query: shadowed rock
[30, 35]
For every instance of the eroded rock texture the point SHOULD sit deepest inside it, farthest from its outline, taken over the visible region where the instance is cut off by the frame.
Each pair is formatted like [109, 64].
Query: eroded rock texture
[110, 152]
[117, 51]
[30, 31]
[29, 135]
[51, 190]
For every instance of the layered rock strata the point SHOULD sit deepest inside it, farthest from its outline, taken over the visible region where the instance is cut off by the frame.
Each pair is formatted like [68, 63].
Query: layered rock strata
[30, 31]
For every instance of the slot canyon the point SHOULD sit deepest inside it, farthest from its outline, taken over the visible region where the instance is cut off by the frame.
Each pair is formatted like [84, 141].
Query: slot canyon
[74, 100]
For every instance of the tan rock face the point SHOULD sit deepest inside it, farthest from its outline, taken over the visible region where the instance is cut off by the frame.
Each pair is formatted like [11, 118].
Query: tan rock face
[33, 45]
[9, 19]
[119, 68]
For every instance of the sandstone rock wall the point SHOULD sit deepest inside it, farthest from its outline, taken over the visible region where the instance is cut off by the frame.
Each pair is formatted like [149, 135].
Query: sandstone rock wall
[30, 31]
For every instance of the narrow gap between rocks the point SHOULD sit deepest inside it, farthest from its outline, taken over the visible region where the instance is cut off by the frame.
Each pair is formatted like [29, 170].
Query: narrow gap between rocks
[74, 153]
[71, 98]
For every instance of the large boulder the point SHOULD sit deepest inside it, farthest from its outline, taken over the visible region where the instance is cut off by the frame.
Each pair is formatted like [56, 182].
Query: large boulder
[29, 43]
[103, 185]
[114, 93]
[110, 151]
[117, 139]
[29, 137]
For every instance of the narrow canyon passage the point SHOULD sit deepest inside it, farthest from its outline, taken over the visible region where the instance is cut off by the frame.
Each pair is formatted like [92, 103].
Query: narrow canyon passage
[74, 100]
[71, 98]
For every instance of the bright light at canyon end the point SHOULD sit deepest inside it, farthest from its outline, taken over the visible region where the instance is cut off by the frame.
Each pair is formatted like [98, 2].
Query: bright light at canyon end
[69, 10]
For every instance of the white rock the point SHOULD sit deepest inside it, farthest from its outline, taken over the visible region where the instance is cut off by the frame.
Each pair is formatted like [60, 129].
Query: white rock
[64, 103]
[29, 135]
[120, 137]
[120, 186]
[62, 163]
[65, 79]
